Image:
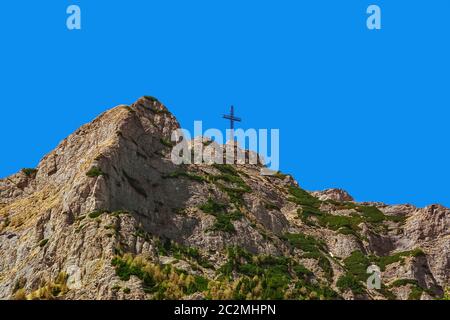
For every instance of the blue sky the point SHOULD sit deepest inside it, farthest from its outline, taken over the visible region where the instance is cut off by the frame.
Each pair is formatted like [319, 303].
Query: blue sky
[366, 111]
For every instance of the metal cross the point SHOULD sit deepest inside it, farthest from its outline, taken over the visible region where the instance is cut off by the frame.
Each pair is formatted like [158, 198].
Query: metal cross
[232, 118]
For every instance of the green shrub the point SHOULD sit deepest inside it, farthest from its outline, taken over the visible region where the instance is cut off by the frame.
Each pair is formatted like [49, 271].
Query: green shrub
[301, 197]
[200, 284]
[179, 251]
[223, 218]
[43, 243]
[229, 175]
[345, 230]
[236, 180]
[273, 271]
[416, 289]
[119, 212]
[313, 248]
[213, 207]
[417, 253]
[304, 242]
[226, 169]
[185, 174]
[166, 143]
[29, 171]
[236, 195]
[382, 262]
[349, 282]
[94, 172]
[95, 214]
[416, 293]
[301, 271]
[335, 222]
[326, 267]
[357, 264]
[223, 223]
[125, 269]
[126, 290]
[404, 282]
[371, 214]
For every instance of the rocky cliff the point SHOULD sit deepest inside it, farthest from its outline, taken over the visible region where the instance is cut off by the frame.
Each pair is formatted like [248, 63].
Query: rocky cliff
[107, 215]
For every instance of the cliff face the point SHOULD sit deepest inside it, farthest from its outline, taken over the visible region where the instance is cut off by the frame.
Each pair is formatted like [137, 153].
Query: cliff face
[107, 215]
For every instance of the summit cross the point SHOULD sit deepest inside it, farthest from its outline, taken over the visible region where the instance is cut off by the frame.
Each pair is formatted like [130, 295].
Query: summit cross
[232, 119]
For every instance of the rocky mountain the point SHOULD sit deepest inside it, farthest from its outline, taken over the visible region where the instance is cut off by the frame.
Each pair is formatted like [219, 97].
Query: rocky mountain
[107, 215]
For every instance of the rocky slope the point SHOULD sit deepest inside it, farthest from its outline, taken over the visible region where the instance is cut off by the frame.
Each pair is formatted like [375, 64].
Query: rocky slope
[107, 215]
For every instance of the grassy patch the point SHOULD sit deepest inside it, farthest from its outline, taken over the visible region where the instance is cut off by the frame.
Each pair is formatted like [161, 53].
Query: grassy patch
[125, 268]
[119, 212]
[189, 175]
[371, 214]
[416, 289]
[95, 214]
[335, 222]
[301, 197]
[224, 222]
[357, 264]
[213, 207]
[223, 217]
[301, 271]
[313, 250]
[226, 169]
[230, 182]
[178, 251]
[382, 262]
[94, 172]
[349, 282]
[304, 242]
[236, 195]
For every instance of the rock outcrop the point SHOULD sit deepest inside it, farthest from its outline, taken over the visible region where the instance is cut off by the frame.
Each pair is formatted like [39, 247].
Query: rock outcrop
[107, 215]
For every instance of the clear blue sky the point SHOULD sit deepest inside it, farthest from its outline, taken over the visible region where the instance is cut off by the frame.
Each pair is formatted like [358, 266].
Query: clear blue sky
[361, 110]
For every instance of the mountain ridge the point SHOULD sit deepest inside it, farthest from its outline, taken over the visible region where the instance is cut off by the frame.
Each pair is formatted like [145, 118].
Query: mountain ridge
[107, 215]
